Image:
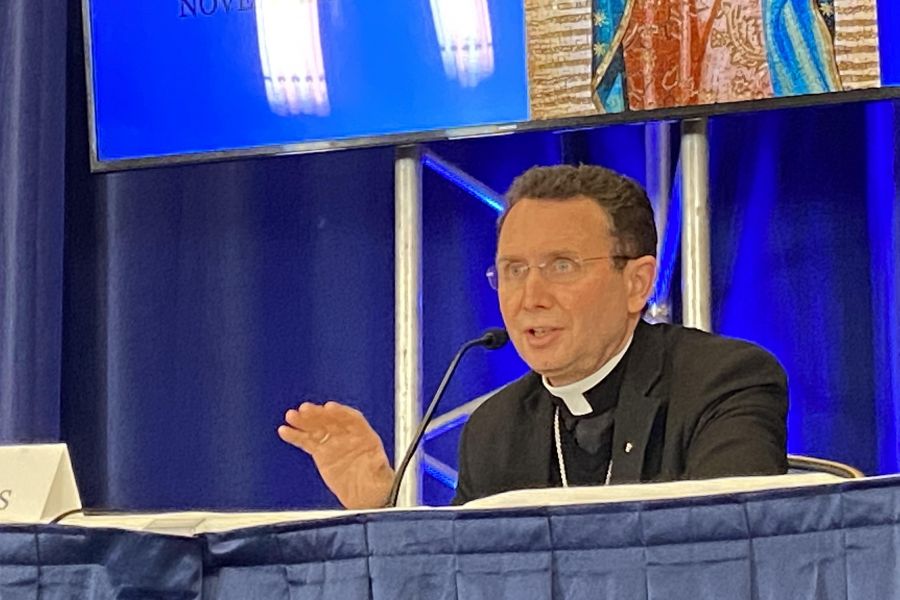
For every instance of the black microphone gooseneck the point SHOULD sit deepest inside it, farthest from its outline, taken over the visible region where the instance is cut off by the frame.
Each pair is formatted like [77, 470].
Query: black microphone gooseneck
[492, 339]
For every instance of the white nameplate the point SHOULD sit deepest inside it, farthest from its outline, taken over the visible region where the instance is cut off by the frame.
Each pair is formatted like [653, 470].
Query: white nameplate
[36, 483]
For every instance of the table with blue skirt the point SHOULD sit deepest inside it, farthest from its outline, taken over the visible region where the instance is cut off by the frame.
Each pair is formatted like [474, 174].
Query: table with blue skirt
[838, 541]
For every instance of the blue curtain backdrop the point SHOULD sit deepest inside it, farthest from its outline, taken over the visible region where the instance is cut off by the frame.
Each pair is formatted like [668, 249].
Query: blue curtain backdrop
[161, 321]
[32, 163]
[804, 239]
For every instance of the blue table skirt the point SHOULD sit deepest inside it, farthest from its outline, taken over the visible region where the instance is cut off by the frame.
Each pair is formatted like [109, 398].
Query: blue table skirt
[835, 542]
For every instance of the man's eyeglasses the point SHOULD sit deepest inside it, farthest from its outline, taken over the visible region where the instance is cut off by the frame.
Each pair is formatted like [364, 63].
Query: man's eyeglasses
[561, 269]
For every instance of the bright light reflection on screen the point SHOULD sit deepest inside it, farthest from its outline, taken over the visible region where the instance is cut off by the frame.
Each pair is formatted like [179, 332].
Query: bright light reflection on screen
[290, 49]
[464, 34]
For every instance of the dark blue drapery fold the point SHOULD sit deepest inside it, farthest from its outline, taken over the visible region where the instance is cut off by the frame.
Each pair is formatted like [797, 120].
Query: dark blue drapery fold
[32, 162]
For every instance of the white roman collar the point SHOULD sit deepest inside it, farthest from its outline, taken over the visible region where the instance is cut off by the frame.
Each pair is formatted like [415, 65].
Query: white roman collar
[573, 394]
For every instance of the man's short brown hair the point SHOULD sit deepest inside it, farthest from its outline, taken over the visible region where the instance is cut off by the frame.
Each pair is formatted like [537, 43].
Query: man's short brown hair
[624, 201]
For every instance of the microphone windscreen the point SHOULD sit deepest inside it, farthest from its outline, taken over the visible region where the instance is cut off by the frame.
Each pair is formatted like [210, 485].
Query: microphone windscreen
[495, 337]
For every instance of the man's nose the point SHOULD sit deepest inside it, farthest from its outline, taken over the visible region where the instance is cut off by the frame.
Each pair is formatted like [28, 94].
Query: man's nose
[536, 290]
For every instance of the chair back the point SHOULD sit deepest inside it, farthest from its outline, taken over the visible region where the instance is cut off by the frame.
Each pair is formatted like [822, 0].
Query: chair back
[798, 463]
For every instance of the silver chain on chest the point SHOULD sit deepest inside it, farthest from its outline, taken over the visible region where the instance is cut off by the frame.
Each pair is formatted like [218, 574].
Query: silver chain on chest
[561, 460]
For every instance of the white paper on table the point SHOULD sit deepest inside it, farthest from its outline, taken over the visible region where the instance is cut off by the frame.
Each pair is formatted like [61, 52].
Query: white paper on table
[650, 491]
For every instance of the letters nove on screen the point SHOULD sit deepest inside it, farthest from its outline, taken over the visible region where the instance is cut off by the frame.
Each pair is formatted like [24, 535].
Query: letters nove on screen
[208, 8]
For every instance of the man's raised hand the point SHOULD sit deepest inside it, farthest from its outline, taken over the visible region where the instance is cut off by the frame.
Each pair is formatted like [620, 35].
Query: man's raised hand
[348, 453]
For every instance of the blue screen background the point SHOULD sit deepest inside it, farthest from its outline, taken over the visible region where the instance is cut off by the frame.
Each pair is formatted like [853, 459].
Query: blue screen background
[888, 42]
[171, 84]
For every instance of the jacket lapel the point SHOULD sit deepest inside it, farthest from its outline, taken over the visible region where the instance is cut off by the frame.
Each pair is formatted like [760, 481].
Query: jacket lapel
[535, 445]
[638, 405]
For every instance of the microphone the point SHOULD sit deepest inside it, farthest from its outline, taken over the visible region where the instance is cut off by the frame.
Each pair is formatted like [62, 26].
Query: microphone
[492, 339]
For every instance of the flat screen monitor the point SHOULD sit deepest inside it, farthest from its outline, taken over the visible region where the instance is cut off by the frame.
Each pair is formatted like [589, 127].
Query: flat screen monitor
[186, 80]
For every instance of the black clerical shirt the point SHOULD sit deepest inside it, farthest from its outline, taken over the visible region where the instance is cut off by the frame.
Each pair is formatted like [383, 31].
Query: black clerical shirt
[587, 439]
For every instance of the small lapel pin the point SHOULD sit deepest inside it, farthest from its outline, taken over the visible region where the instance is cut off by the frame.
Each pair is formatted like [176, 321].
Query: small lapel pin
[628, 447]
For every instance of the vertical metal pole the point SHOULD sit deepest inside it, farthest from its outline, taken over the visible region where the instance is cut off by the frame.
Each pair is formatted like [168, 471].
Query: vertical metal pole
[658, 168]
[695, 258]
[408, 314]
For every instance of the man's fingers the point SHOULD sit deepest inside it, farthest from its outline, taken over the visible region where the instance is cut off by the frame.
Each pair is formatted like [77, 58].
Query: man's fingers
[297, 438]
[296, 420]
[308, 417]
[321, 430]
[331, 417]
[310, 427]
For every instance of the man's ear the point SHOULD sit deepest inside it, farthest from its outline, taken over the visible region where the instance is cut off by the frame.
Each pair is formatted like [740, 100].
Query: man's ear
[640, 276]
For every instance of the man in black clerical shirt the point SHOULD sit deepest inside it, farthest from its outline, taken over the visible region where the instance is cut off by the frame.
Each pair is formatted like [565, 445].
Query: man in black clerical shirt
[610, 398]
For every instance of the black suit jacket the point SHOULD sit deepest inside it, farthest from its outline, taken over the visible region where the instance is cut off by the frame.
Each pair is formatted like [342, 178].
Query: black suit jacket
[691, 406]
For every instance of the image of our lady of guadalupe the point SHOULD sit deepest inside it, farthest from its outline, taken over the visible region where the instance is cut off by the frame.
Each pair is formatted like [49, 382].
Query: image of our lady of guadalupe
[663, 53]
